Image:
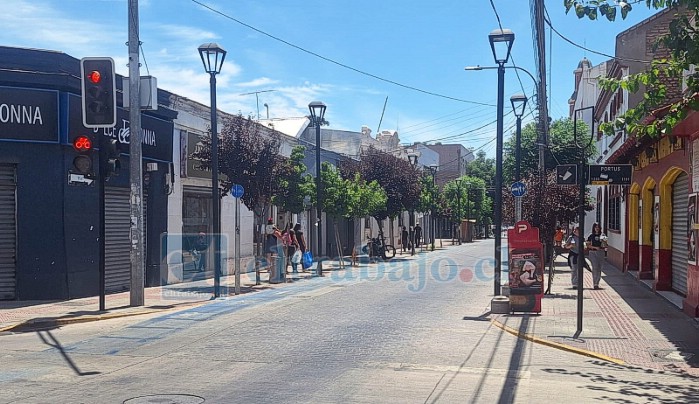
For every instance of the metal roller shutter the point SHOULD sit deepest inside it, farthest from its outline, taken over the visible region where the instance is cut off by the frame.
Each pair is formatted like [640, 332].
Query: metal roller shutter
[117, 240]
[680, 193]
[8, 232]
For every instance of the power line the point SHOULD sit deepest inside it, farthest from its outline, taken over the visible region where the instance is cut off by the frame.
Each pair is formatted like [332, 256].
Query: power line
[327, 59]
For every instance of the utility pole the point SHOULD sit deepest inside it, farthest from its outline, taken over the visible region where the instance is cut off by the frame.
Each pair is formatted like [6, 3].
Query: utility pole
[135, 166]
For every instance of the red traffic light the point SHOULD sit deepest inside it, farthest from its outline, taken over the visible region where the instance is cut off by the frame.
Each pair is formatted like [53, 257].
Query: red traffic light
[94, 76]
[82, 144]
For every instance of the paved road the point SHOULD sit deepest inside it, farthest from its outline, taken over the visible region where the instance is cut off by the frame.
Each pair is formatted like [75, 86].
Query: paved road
[414, 331]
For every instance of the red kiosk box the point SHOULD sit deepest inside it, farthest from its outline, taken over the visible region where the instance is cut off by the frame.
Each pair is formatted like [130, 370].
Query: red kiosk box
[526, 265]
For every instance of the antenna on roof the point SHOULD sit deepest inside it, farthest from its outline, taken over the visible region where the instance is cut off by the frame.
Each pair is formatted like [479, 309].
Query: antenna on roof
[378, 130]
[257, 99]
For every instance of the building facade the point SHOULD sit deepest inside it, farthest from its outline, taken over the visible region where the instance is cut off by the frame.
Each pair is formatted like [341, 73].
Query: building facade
[49, 242]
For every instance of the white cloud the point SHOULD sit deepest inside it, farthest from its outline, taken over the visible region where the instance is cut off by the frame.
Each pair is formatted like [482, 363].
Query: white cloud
[259, 82]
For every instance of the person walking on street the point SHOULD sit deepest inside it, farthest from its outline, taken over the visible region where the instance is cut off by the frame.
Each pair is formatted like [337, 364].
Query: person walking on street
[300, 240]
[292, 247]
[572, 247]
[594, 245]
[404, 239]
[418, 235]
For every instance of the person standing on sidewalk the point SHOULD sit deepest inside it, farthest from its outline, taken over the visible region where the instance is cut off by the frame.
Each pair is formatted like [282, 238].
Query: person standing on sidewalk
[300, 240]
[418, 235]
[404, 239]
[594, 245]
[572, 245]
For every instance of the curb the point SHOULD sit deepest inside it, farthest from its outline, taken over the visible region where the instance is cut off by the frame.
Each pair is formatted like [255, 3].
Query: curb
[61, 321]
[556, 345]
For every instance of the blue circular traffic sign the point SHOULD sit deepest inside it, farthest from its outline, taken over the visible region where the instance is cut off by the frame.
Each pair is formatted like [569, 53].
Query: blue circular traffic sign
[518, 189]
[237, 191]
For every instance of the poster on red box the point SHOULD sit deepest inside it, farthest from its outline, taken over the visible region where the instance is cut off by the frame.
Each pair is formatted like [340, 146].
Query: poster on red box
[526, 265]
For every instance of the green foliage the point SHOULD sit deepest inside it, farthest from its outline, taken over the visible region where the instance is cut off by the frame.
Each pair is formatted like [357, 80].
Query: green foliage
[482, 167]
[349, 197]
[396, 176]
[293, 184]
[336, 198]
[562, 149]
[429, 194]
[467, 200]
[368, 198]
[682, 42]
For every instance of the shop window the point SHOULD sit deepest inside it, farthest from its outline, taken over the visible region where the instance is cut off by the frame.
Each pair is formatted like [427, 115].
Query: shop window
[615, 213]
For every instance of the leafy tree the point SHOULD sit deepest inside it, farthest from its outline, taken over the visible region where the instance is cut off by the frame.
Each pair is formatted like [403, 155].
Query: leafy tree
[562, 149]
[680, 44]
[429, 193]
[482, 167]
[293, 184]
[352, 197]
[369, 197]
[397, 177]
[248, 155]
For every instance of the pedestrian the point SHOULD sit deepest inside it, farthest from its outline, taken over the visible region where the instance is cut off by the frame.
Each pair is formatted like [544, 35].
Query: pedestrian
[594, 245]
[270, 245]
[301, 241]
[291, 248]
[572, 245]
[558, 237]
[277, 272]
[404, 239]
[418, 235]
[201, 244]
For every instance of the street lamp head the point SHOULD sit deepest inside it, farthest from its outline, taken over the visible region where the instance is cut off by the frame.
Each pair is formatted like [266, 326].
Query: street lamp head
[433, 167]
[519, 103]
[212, 57]
[501, 44]
[413, 155]
[317, 109]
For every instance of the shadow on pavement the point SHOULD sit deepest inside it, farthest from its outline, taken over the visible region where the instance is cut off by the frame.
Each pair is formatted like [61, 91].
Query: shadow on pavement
[637, 385]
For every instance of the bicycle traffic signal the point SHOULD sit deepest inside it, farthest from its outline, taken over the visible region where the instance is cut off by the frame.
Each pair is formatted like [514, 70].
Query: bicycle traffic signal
[82, 163]
[98, 87]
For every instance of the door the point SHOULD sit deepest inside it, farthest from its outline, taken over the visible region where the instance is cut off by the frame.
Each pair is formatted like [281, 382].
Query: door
[118, 238]
[680, 194]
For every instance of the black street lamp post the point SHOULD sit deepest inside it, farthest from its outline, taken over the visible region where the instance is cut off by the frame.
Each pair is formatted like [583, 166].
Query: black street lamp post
[458, 208]
[317, 109]
[212, 56]
[412, 158]
[501, 44]
[519, 102]
[433, 170]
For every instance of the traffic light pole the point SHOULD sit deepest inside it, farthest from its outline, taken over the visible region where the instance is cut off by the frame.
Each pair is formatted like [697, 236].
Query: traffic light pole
[136, 170]
[102, 221]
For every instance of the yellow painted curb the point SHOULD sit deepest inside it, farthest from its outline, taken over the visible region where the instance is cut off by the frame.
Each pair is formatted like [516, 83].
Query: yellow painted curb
[556, 345]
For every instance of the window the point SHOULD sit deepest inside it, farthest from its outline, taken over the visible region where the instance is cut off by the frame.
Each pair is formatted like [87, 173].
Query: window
[615, 213]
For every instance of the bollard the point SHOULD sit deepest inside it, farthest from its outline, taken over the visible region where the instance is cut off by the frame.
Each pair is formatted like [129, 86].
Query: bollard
[500, 305]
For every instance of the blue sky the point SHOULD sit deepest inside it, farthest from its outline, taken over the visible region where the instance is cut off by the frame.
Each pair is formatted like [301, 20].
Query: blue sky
[421, 44]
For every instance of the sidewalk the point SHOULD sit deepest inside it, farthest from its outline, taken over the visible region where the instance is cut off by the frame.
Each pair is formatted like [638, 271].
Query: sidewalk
[623, 322]
[16, 316]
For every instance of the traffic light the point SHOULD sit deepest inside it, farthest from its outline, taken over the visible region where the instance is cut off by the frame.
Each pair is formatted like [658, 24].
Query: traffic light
[82, 163]
[98, 86]
[109, 157]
